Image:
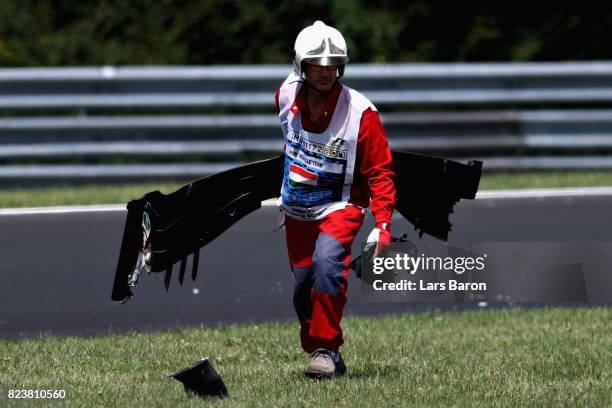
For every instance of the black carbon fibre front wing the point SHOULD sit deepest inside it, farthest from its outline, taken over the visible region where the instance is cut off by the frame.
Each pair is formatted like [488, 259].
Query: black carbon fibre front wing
[161, 230]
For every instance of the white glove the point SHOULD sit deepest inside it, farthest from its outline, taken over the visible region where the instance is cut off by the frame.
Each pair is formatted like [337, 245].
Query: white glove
[381, 237]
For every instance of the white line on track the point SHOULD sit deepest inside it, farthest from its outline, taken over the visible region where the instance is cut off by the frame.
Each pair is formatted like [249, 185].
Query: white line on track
[63, 210]
[483, 195]
[545, 192]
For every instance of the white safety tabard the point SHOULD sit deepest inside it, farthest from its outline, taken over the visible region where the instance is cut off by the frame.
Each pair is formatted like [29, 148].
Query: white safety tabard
[319, 167]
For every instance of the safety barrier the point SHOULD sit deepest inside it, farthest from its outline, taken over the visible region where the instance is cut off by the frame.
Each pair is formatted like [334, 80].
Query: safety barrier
[138, 122]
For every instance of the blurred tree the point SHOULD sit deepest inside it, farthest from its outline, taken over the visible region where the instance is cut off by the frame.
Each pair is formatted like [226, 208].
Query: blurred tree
[119, 32]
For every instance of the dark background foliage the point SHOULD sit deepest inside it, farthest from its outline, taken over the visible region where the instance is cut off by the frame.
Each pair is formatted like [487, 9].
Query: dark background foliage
[77, 32]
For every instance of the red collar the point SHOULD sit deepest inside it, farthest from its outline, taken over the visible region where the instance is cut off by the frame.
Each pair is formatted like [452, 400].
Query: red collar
[328, 110]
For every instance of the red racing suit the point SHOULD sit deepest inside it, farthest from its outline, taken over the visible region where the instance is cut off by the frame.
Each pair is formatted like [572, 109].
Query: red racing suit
[319, 249]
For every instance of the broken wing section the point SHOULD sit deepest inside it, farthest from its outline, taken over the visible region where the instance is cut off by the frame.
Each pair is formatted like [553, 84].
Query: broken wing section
[428, 187]
[161, 229]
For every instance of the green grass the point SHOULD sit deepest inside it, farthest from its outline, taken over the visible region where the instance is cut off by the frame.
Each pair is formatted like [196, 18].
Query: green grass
[509, 180]
[546, 357]
[83, 195]
[116, 194]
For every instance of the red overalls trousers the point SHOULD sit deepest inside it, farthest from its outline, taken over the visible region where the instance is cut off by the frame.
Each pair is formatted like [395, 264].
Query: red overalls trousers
[319, 254]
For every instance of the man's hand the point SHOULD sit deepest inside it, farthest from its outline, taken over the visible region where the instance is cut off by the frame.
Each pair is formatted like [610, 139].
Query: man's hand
[381, 237]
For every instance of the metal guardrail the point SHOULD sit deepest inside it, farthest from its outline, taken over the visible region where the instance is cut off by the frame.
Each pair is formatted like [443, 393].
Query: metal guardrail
[92, 173]
[495, 109]
[223, 134]
[243, 86]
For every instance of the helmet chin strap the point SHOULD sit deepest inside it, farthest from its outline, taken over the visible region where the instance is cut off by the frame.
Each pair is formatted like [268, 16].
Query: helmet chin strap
[340, 71]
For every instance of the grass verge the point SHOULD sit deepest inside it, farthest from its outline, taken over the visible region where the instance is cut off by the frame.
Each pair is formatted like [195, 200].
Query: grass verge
[80, 195]
[510, 180]
[115, 194]
[545, 357]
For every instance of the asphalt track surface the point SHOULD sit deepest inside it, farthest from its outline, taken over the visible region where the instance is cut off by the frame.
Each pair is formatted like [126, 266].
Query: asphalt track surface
[57, 267]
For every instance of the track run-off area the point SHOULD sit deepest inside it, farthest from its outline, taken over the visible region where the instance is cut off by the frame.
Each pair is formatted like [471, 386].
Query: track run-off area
[58, 263]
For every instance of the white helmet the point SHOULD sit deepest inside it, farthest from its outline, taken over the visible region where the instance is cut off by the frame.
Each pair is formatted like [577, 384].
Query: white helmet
[319, 44]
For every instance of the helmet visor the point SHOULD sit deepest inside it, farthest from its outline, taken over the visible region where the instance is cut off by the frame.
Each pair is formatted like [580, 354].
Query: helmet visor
[326, 61]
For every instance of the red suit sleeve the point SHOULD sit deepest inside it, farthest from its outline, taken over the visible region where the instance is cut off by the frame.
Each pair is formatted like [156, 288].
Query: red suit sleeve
[376, 165]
